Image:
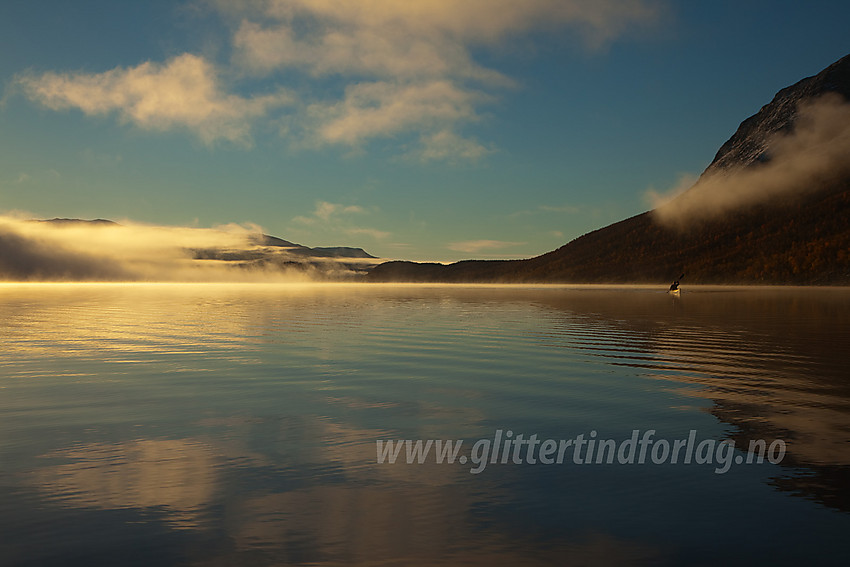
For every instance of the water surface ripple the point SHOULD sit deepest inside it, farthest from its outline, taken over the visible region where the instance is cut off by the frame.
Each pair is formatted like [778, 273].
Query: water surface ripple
[216, 424]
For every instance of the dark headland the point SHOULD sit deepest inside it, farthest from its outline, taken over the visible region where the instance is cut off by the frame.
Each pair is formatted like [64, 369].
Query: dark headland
[800, 237]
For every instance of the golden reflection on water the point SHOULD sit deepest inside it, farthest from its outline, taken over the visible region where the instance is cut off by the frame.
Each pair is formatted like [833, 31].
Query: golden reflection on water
[106, 319]
[770, 359]
[178, 475]
[769, 363]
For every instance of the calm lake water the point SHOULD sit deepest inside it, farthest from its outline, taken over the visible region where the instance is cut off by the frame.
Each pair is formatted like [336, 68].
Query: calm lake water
[238, 425]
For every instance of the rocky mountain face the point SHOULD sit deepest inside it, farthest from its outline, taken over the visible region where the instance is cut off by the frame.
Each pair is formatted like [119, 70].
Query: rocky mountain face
[749, 143]
[800, 237]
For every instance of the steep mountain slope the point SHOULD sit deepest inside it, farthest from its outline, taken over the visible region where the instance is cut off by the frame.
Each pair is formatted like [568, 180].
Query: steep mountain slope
[749, 142]
[798, 237]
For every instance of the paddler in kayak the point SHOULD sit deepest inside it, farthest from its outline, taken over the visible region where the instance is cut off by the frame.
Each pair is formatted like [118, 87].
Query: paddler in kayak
[675, 286]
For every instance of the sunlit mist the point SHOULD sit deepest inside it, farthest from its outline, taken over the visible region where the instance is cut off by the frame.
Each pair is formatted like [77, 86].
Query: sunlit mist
[792, 163]
[71, 250]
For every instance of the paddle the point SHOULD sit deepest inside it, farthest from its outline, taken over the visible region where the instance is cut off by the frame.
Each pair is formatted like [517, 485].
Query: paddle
[675, 285]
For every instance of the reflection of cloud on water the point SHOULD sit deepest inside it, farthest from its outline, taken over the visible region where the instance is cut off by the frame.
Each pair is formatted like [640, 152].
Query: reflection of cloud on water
[364, 514]
[177, 475]
[358, 522]
[293, 478]
[377, 525]
[307, 448]
[355, 450]
[333, 504]
[376, 514]
[771, 361]
[762, 383]
[814, 425]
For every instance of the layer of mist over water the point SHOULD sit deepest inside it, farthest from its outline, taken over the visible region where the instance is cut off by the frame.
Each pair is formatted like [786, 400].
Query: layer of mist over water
[237, 424]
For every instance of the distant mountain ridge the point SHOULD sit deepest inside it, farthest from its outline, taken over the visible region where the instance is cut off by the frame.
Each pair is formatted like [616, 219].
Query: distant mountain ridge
[66, 222]
[263, 240]
[72, 249]
[795, 239]
[801, 237]
[316, 252]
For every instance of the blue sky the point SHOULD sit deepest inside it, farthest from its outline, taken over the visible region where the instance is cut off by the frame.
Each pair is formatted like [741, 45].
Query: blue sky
[420, 130]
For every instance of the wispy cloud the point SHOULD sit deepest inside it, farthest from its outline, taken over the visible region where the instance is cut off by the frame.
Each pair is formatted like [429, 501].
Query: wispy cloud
[415, 39]
[184, 92]
[367, 70]
[805, 159]
[325, 211]
[387, 108]
[374, 233]
[410, 65]
[473, 246]
[447, 146]
[332, 217]
[129, 251]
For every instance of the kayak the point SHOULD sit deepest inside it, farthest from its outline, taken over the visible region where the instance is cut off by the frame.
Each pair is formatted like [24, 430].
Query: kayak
[676, 291]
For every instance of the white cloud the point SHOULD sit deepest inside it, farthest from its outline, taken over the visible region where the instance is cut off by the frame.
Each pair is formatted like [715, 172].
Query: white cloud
[333, 217]
[409, 64]
[446, 145]
[76, 251]
[472, 246]
[374, 233]
[383, 108]
[183, 92]
[301, 219]
[401, 38]
[326, 211]
[373, 69]
[128, 250]
[808, 158]
[356, 46]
